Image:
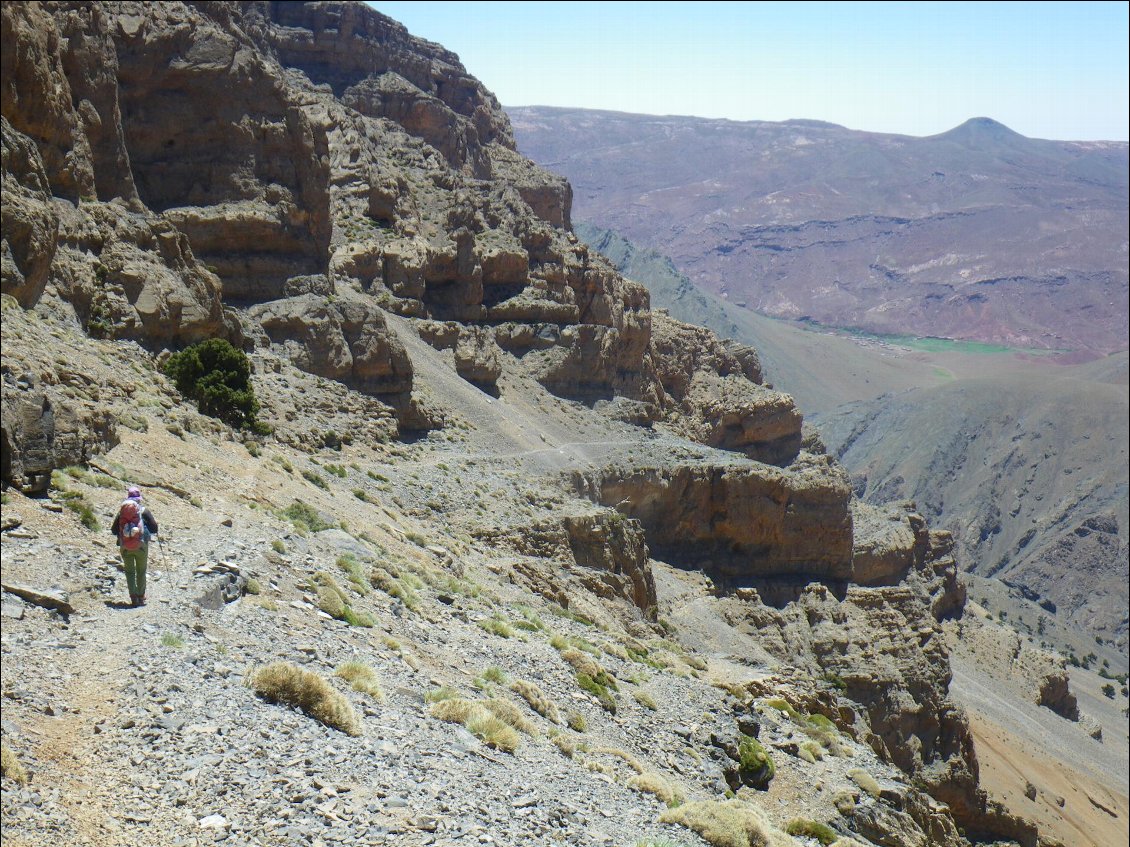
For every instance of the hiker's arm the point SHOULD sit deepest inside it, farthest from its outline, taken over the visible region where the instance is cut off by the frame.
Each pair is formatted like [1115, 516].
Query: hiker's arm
[114, 525]
[150, 521]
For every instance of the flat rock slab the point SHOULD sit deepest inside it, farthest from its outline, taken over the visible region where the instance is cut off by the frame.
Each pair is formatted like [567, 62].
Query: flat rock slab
[47, 597]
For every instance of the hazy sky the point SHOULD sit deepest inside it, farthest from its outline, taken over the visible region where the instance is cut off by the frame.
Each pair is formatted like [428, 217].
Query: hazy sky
[1047, 70]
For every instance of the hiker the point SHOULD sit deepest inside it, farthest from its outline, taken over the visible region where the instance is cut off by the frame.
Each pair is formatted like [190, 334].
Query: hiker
[133, 526]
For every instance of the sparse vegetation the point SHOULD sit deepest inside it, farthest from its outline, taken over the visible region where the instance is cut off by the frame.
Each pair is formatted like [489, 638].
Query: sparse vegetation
[576, 721]
[728, 823]
[10, 766]
[481, 720]
[865, 781]
[288, 684]
[538, 700]
[171, 639]
[361, 678]
[811, 829]
[305, 517]
[650, 782]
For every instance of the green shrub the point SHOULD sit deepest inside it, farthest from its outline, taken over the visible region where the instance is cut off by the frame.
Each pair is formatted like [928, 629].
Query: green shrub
[497, 626]
[218, 377]
[754, 763]
[283, 682]
[811, 829]
[305, 517]
[576, 721]
[316, 479]
[171, 639]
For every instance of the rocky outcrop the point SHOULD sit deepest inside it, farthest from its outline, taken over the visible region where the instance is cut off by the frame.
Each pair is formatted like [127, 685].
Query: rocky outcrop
[893, 545]
[715, 395]
[614, 548]
[606, 553]
[742, 522]
[30, 224]
[41, 431]
[477, 357]
[345, 339]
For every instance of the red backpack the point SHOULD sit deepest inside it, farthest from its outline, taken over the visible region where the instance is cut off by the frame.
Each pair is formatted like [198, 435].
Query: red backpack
[130, 532]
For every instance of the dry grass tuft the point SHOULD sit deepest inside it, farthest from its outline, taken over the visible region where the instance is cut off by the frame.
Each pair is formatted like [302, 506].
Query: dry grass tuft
[566, 744]
[362, 678]
[493, 732]
[865, 781]
[646, 700]
[624, 755]
[283, 682]
[506, 711]
[731, 823]
[650, 782]
[11, 767]
[537, 699]
[481, 720]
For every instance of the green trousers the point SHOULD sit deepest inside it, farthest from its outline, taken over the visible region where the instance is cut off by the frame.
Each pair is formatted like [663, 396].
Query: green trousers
[135, 562]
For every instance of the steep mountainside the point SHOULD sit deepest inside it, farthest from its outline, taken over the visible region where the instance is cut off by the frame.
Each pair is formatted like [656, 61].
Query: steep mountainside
[962, 434]
[977, 233]
[610, 586]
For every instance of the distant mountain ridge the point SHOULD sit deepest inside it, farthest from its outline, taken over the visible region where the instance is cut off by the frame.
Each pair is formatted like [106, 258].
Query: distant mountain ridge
[976, 233]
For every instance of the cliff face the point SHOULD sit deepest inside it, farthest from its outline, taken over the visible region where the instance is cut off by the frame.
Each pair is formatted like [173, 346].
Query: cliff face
[315, 184]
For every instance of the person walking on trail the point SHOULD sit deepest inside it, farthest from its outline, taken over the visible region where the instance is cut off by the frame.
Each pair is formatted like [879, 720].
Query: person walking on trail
[133, 526]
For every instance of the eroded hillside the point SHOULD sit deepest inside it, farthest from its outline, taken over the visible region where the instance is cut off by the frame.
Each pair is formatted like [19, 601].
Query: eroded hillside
[592, 560]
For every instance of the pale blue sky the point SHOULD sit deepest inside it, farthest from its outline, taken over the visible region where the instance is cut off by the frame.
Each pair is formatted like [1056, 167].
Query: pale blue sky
[1047, 70]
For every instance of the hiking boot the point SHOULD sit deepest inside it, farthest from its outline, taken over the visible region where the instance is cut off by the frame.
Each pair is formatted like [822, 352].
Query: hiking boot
[141, 599]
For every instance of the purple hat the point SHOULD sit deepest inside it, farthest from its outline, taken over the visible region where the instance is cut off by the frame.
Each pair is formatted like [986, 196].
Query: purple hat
[134, 493]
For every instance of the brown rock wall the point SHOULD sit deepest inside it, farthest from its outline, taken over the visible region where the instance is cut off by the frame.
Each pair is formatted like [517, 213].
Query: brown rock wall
[744, 522]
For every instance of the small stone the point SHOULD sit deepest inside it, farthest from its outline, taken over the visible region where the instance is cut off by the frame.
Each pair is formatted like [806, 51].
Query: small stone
[212, 822]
